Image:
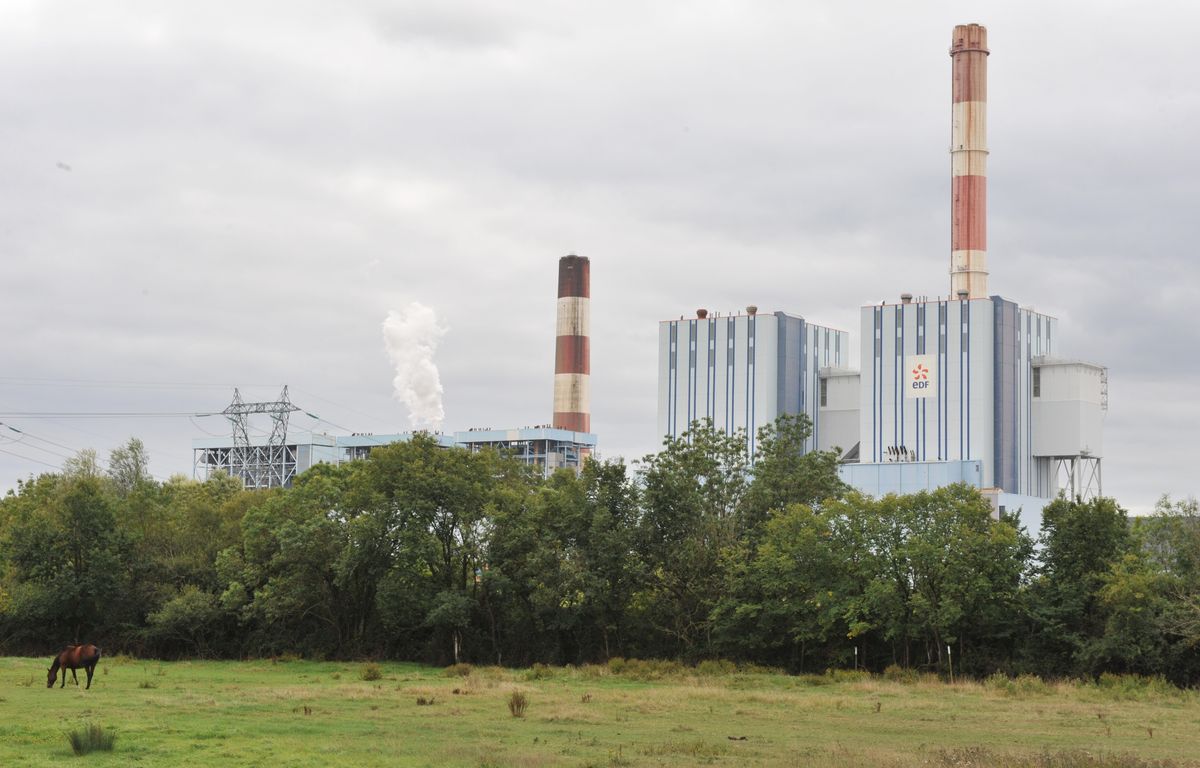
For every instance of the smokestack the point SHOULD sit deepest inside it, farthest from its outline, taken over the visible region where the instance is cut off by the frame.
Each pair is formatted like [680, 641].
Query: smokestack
[968, 162]
[572, 352]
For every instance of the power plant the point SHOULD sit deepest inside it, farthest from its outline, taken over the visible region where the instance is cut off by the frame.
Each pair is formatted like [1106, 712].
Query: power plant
[273, 460]
[962, 388]
[968, 387]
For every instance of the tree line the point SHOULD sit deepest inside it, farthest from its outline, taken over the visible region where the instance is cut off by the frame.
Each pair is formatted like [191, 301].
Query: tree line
[441, 555]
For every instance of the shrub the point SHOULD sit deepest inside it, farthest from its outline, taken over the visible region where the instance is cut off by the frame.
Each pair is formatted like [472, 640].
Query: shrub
[657, 669]
[539, 672]
[1135, 686]
[715, 667]
[457, 670]
[652, 669]
[91, 738]
[370, 672]
[1030, 684]
[898, 674]
[424, 702]
[848, 675]
[751, 668]
[517, 703]
[1022, 685]
[147, 684]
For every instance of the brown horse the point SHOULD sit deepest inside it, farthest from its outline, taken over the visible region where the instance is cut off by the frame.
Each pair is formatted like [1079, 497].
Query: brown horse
[72, 658]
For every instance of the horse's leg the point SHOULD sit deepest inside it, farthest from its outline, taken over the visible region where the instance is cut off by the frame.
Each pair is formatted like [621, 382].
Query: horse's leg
[90, 668]
[73, 677]
[64, 677]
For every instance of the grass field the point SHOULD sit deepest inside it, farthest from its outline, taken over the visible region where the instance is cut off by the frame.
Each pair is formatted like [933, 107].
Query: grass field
[300, 713]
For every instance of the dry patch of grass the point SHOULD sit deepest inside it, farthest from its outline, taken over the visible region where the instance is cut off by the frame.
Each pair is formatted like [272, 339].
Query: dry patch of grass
[699, 749]
[979, 757]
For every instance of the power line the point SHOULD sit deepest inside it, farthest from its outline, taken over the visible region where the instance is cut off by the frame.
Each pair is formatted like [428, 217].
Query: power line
[343, 406]
[30, 458]
[116, 383]
[202, 429]
[21, 442]
[375, 440]
[100, 414]
[73, 451]
[35, 437]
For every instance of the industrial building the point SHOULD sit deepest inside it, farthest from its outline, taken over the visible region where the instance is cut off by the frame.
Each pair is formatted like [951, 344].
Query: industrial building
[743, 371]
[967, 387]
[542, 446]
[275, 459]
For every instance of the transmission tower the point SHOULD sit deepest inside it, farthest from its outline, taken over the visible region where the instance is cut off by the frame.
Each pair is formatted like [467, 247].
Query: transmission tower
[261, 466]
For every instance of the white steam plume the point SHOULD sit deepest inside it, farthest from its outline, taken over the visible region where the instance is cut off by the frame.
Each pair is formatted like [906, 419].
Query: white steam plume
[411, 337]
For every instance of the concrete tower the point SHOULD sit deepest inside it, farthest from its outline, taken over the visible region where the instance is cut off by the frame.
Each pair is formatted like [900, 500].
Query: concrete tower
[572, 353]
[968, 164]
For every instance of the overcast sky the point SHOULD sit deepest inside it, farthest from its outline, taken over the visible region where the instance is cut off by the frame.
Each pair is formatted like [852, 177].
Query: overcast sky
[195, 196]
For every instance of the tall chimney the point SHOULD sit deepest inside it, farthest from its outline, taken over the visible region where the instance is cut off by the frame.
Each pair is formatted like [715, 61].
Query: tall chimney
[968, 162]
[572, 352]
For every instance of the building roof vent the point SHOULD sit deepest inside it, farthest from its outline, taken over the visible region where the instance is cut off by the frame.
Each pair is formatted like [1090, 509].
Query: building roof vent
[752, 310]
[701, 313]
[906, 298]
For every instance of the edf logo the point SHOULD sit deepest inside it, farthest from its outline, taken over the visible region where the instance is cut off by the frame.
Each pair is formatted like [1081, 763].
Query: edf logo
[920, 382]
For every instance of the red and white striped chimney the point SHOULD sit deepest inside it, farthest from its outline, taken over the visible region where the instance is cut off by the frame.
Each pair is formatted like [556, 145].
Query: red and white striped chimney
[968, 163]
[572, 352]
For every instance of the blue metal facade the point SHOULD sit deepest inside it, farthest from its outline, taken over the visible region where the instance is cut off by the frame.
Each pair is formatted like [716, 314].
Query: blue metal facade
[979, 407]
[742, 371]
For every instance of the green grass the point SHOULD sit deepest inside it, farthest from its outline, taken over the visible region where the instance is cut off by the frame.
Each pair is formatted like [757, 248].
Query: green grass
[302, 713]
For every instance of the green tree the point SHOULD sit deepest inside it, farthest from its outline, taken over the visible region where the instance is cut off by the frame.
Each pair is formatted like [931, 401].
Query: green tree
[1080, 542]
[66, 560]
[784, 473]
[691, 493]
[561, 567]
[929, 570]
[1132, 599]
[129, 466]
[441, 501]
[191, 620]
[1171, 542]
[784, 603]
